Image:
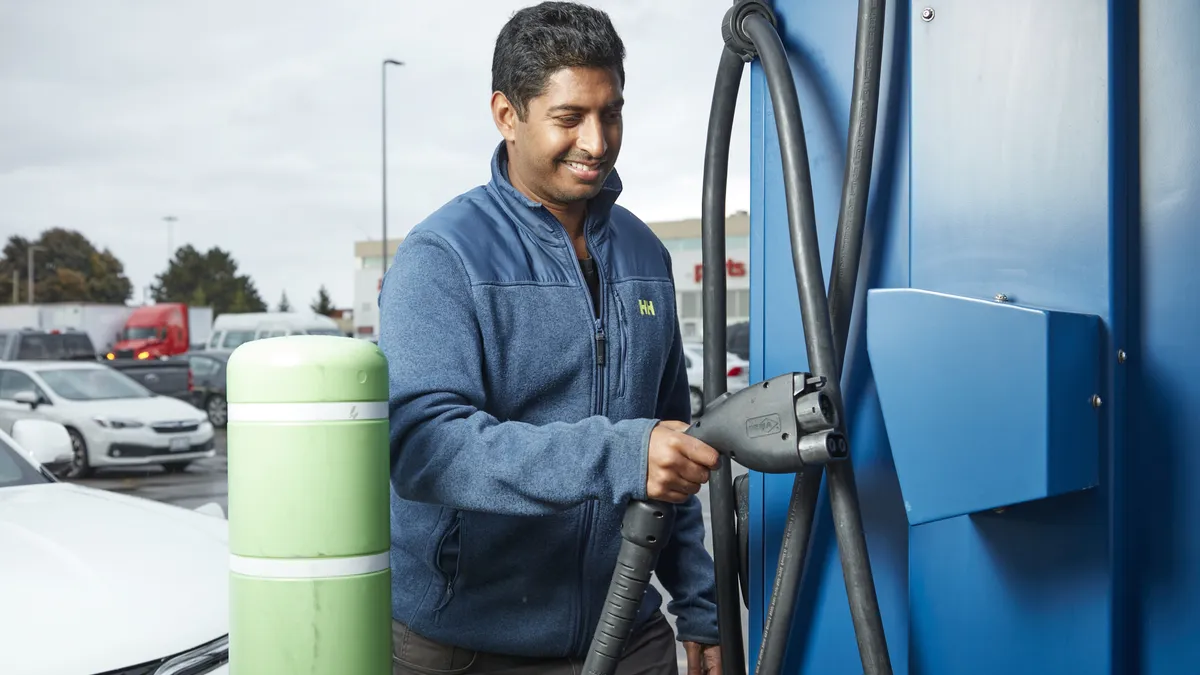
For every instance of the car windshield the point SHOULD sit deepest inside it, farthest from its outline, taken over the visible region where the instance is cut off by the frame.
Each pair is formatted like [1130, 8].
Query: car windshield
[16, 470]
[55, 347]
[235, 338]
[93, 384]
[140, 333]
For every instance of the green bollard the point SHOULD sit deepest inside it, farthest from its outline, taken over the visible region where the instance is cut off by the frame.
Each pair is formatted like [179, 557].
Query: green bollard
[310, 579]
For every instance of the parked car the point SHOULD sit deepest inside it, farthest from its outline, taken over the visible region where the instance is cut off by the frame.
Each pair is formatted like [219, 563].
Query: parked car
[737, 339]
[28, 344]
[737, 374]
[230, 330]
[137, 585]
[165, 376]
[208, 384]
[111, 419]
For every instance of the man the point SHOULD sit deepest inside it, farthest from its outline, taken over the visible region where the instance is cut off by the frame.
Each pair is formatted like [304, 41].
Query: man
[537, 385]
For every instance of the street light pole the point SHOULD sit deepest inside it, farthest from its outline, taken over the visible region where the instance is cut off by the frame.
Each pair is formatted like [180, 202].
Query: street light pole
[170, 221]
[383, 107]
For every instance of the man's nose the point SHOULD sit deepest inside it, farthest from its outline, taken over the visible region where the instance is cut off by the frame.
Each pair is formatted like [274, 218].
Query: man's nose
[591, 137]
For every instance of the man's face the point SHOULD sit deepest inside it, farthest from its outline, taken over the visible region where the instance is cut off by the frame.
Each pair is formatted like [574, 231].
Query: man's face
[565, 148]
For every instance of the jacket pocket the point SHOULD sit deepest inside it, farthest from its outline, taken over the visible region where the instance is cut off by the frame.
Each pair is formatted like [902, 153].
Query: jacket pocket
[448, 559]
[623, 339]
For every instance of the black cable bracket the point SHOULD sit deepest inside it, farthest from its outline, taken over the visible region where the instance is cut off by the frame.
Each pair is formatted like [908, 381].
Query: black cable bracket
[734, 35]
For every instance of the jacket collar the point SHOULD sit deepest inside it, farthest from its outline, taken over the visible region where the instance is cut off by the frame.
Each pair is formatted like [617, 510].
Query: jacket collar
[536, 217]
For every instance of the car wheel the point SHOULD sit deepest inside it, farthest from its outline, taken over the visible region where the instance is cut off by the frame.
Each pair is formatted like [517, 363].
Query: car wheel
[218, 411]
[697, 402]
[79, 467]
[176, 467]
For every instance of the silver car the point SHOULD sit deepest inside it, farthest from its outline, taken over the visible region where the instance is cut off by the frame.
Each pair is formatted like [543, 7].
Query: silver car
[737, 374]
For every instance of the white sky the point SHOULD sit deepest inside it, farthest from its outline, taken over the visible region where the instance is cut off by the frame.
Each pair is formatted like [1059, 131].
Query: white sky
[257, 124]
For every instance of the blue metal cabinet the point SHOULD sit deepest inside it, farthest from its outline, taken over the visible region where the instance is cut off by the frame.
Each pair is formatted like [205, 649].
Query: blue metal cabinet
[1046, 152]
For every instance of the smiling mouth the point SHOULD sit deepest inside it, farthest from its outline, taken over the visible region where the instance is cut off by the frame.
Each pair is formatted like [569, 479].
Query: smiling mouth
[583, 166]
[584, 171]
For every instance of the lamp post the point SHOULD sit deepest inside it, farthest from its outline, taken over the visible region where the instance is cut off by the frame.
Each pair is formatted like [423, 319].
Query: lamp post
[383, 101]
[170, 221]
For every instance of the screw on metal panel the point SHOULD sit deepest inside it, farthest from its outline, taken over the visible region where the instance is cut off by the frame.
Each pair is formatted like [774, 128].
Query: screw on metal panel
[1000, 297]
[927, 14]
[1120, 356]
[1096, 402]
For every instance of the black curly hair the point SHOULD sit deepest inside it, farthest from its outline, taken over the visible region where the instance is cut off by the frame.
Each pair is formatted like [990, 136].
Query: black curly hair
[541, 40]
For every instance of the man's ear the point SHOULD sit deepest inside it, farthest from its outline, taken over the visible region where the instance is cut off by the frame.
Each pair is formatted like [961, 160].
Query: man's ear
[504, 114]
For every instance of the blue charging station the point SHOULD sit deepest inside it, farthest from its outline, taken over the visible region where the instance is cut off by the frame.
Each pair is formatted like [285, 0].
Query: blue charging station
[1023, 376]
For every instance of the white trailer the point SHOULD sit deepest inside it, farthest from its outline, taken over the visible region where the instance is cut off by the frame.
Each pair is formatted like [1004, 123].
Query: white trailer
[200, 324]
[102, 322]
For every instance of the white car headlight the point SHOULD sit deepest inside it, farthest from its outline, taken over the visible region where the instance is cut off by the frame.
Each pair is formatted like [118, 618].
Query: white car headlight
[117, 423]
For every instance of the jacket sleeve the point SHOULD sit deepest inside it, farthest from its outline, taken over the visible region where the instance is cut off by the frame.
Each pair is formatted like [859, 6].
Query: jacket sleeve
[444, 447]
[684, 566]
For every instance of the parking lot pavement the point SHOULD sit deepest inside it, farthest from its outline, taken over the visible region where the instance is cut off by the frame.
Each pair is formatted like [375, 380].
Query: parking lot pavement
[205, 481]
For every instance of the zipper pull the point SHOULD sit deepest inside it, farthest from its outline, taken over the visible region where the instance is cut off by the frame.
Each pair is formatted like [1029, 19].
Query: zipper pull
[600, 348]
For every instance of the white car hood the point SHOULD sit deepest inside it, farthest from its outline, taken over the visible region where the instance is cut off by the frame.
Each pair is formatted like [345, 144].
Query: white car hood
[92, 580]
[156, 409]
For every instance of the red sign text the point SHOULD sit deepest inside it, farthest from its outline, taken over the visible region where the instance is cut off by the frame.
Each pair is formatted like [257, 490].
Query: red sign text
[733, 268]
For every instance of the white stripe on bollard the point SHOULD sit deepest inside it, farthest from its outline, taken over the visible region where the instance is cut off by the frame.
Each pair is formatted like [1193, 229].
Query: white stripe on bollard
[309, 568]
[307, 412]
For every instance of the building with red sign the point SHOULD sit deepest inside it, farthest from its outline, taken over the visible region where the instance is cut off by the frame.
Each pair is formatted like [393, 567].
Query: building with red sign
[682, 238]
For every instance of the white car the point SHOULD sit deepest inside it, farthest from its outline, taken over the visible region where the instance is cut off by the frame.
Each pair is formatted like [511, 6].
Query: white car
[99, 582]
[111, 418]
[737, 375]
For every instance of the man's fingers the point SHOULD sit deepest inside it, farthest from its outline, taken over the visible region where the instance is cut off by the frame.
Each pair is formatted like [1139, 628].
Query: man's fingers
[666, 490]
[688, 478]
[685, 485]
[695, 662]
[712, 660]
[685, 464]
[680, 497]
[686, 488]
[676, 497]
[693, 473]
[696, 450]
[700, 453]
[679, 464]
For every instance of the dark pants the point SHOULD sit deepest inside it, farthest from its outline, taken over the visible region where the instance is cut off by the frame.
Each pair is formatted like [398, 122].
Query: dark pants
[650, 652]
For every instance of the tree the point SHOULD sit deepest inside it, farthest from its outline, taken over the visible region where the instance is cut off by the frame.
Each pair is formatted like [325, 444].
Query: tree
[284, 305]
[210, 278]
[67, 267]
[323, 304]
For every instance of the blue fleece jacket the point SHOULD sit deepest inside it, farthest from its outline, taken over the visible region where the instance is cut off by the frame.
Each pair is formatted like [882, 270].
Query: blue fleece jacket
[520, 422]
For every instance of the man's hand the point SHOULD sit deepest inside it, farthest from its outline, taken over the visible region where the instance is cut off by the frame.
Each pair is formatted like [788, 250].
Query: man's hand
[703, 659]
[678, 464]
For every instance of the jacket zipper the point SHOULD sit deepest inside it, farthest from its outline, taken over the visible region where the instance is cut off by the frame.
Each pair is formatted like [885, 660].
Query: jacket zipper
[601, 346]
[622, 335]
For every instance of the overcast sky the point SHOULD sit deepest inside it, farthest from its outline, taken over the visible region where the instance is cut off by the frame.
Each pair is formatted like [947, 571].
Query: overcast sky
[257, 124]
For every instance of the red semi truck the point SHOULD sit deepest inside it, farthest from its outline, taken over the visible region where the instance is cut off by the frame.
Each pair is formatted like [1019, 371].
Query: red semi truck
[155, 331]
